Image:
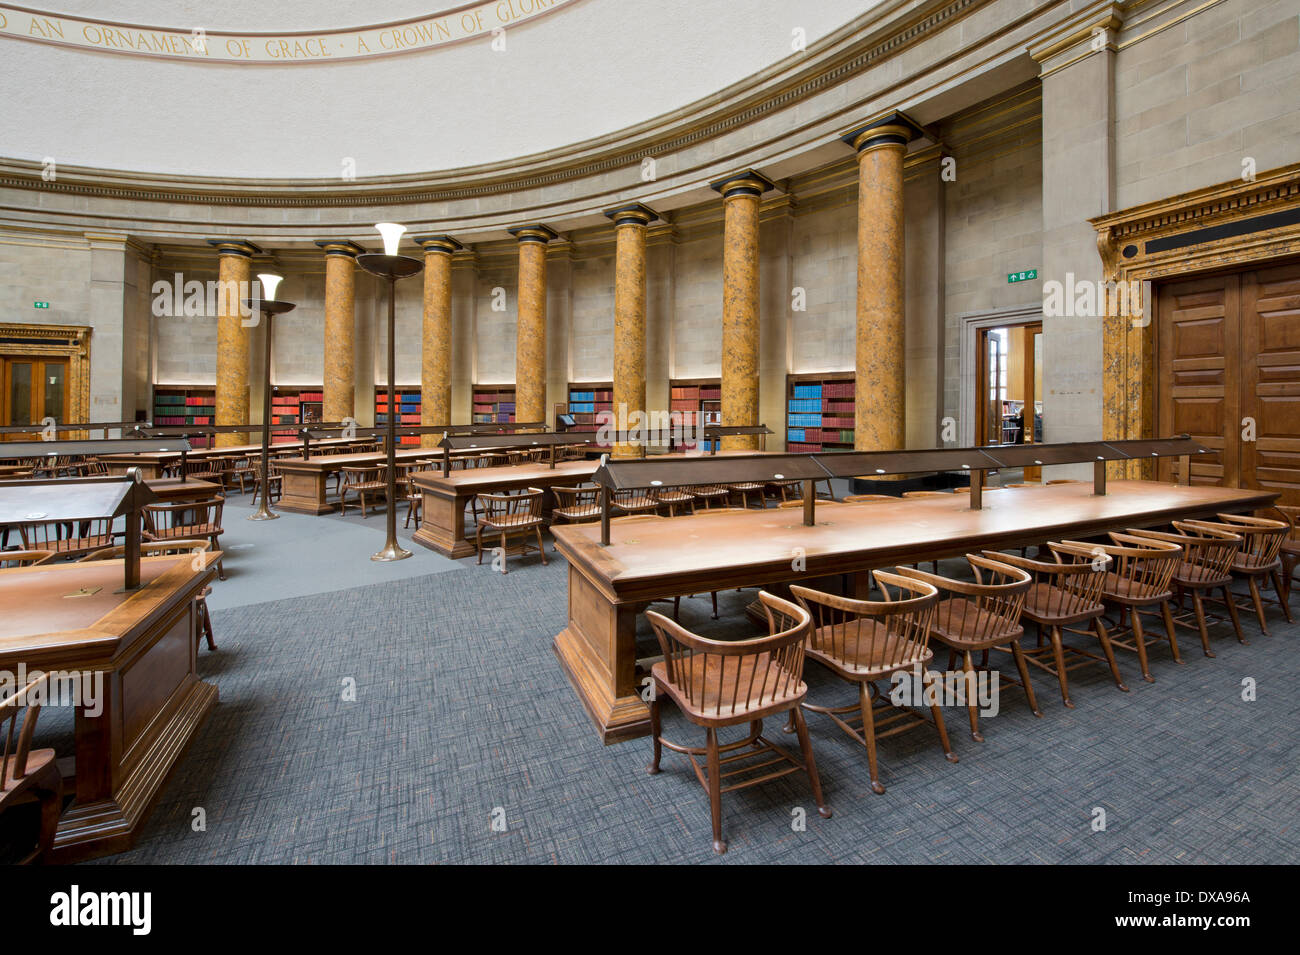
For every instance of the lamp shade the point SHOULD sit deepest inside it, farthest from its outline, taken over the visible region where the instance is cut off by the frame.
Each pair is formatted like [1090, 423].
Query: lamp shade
[270, 282]
[392, 233]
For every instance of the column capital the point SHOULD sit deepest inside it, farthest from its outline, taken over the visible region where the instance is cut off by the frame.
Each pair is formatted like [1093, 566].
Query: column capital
[893, 128]
[438, 243]
[235, 247]
[745, 183]
[632, 213]
[533, 233]
[339, 247]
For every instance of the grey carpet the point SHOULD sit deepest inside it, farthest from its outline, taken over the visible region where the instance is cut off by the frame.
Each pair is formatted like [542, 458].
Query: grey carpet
[462, 709]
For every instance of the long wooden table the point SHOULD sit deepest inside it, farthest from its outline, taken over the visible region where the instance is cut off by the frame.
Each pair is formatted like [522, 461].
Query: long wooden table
[610, 586]
[152, 464]
[152, 701]
[305, 479]
[173, 490]
[444, 499]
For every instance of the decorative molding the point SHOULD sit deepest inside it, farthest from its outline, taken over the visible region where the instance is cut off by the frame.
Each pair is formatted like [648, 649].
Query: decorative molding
[414, 35]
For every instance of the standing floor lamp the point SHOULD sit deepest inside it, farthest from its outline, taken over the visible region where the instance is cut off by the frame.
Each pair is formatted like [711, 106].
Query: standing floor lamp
[391, 266]
[269, 308]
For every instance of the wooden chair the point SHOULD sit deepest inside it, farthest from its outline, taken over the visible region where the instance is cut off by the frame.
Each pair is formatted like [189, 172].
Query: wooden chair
[633, 501]
[746, 488]
[1206, 566]
[68, 538]
[24, 558]
[673, 498]
[912, 494]
[163, 549]
[277, 479]
[244, 469]
[1289, 553]
[866, 498]
[414, 498]
[710, 494]
[1062, 594]
[1140, 578]
[1064, 481]
[206, 469]
[364, 482]
[200, 520]
[864, 641]
[718, 684]
[576, 505]
[508, 514]
[27, 774]
[1258, 558]
[979, 617]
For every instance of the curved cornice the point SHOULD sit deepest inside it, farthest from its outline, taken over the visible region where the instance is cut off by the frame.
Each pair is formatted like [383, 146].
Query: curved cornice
[885, 31]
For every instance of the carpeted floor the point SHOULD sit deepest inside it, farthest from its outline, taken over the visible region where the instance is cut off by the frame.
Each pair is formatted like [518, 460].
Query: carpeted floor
[462, 715]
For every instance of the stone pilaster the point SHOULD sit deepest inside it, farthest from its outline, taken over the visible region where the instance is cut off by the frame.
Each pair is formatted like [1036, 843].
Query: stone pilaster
[340, 329]
[233, 272]
[740, 330]
[630, 223]
[530, 342]
[880, 406]
[435, 352]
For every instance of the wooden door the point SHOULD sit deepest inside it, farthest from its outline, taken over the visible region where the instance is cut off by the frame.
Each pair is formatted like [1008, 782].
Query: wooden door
[1228, 374]
[34, 389]
[1270, 379]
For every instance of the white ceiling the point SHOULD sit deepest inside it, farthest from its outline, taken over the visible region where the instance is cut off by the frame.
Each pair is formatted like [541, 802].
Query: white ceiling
[581, 71]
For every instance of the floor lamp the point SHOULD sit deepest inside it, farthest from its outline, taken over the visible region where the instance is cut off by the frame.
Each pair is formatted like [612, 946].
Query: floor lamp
[269, 308]
[391, 266]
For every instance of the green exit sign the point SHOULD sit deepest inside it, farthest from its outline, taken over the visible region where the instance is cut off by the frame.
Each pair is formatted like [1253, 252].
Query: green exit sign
[1025, 276]
[40, 304]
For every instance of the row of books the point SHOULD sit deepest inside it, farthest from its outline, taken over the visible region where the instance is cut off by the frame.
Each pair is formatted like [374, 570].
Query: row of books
[164, 419]
[824, 435]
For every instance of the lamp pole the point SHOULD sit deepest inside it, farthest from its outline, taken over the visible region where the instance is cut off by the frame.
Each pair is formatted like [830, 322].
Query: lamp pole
[391, 266]
[269, 308]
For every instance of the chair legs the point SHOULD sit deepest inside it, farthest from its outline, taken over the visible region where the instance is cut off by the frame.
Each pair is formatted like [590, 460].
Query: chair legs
[715, 789]
[810, 764]
[869, 737]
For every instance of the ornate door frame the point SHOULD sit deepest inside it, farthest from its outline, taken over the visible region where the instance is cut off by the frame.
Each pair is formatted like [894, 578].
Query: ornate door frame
[1231, 224]
[54, 341]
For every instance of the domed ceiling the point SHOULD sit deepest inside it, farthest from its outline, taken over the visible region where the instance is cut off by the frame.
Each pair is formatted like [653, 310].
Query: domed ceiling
[325, 89]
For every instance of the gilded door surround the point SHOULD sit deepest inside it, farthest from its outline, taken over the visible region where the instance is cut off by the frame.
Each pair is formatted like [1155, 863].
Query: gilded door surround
[1205, 230]
[56, 341]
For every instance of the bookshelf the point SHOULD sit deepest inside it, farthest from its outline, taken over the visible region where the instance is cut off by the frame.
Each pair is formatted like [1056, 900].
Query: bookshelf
[175, 405]
[494, 404]
[699, 401]
[820, 412]
[406, 400]
[587, 401]
[294, 406]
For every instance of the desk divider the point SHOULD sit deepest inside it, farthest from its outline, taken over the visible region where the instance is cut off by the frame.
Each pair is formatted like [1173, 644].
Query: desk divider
[809, 468]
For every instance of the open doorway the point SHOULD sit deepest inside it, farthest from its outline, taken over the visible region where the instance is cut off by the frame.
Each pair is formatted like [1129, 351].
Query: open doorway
[1009, 386]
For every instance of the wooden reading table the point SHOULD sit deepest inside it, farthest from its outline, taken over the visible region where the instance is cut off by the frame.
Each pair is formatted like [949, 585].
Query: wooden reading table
[153, 463]
[609, 586]
[72, 617]
[305, 479]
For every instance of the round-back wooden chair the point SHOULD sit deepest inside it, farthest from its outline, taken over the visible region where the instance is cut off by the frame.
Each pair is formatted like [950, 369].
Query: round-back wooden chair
[1289, 553]
[979, 617]
[511, 514]
[27, 773]
[1258, 557]
[1206, 567]
[633, 500]
[576, 505]
[723, 683]
[1140, 579]
[366, 482]
[186, 521]
[1063, 594]
[864, 641]
[673, 498]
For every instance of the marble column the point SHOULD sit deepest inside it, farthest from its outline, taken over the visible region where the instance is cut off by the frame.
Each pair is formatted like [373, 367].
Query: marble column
[741, 194]
[530, 340]
[340, 329]
[435, 352]
[880, 416]
[233, 272]
[630, 223]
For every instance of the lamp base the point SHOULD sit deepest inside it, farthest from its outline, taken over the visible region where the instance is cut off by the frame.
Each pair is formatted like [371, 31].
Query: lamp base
[264, 516]
[391, 552]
